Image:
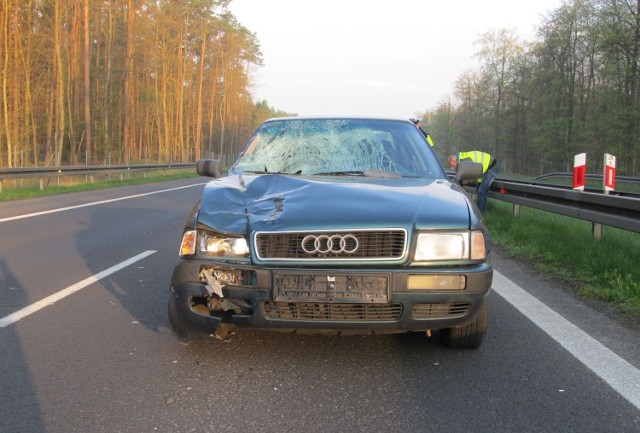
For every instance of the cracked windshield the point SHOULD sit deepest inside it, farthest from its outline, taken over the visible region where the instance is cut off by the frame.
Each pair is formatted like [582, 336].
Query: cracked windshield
[339, 147]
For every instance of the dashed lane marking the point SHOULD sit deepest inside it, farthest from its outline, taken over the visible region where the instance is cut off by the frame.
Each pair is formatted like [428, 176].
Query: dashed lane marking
[52, 299]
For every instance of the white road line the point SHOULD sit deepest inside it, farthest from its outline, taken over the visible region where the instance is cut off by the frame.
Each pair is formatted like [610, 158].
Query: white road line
[618, 373]
[49, 300]
[95, 203]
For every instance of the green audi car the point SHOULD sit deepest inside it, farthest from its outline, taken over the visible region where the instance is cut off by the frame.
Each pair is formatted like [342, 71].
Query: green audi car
[334, 225]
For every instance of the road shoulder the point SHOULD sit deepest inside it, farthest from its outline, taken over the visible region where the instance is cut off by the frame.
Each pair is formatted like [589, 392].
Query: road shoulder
[603, 322]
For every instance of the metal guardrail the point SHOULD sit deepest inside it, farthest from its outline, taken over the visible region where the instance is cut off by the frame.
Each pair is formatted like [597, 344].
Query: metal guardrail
[621, 210]
[617, 209]
[43, 173]
[621, 179]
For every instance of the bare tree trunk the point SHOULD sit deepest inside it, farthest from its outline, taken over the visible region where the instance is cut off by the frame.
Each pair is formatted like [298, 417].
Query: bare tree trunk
[179, 88]
[107, 145]
[198, 133]
[87, 87]
[212, 108]
[128, 73]
[74, 91]
[29, 115]
[5, 72]
[15, 86]
[49, 152]
[59, 77]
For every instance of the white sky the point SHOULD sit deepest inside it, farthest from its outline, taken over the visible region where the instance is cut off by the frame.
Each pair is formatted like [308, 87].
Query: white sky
[391, 58]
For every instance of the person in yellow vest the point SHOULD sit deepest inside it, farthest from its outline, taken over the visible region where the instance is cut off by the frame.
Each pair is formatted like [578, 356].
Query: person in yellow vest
[490, 169]
[425, 133]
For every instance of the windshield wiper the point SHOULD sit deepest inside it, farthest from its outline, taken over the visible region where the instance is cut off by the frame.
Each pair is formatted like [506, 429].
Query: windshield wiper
[340, 173]
[366, 173]
[272, 172]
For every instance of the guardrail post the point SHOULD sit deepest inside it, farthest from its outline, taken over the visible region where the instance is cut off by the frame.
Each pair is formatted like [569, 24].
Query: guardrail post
[42, 183]
[516, 210]
[596, 229]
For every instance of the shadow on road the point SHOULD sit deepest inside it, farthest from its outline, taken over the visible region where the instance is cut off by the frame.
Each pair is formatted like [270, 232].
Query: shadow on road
[129, 228]
[19, 409]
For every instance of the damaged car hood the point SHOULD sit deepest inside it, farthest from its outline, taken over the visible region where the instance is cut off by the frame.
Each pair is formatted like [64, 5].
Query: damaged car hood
[272, 202]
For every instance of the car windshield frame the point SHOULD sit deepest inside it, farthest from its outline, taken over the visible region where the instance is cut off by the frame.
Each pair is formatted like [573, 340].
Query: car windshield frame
[339, 147]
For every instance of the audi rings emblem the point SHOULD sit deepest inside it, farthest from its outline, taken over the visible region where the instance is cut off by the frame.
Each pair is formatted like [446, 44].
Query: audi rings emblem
[330, 244]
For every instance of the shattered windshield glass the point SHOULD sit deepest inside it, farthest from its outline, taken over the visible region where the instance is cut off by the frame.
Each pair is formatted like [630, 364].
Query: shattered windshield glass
[339, 147]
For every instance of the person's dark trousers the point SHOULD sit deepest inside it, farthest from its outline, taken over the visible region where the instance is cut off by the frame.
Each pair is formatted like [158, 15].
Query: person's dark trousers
[483, 187]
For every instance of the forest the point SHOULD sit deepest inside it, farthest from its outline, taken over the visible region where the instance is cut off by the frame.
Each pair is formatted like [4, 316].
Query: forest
[536, 104]
[124, 81]
[146, 81]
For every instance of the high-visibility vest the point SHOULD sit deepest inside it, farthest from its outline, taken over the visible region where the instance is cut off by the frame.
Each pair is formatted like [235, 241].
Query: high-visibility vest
[477, 156]
[429, 140]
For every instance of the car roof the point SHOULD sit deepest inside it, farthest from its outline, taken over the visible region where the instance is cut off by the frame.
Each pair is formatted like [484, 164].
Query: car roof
[334, 117]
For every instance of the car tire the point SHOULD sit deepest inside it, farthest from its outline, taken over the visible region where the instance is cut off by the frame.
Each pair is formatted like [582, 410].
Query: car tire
[469, 336]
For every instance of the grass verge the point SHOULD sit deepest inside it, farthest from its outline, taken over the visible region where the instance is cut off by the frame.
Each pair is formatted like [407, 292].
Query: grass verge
[32, 189]
[563, 248]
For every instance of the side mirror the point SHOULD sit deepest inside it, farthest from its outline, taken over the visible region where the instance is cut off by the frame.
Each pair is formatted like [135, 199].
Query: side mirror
[208, 168]
[467, 170]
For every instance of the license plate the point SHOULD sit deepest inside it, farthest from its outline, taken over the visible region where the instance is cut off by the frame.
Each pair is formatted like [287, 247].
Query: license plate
[337, 288]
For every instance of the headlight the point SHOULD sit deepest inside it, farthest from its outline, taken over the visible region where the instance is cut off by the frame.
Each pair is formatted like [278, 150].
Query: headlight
[222, 246]
[212, 244]
[441, 246]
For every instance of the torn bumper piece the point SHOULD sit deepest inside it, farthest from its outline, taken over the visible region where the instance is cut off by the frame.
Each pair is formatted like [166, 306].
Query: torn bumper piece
[186, 323]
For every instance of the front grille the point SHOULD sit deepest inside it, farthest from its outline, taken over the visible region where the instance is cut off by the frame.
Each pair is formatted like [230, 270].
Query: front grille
[323, 287]
[379, 244]
[429, 311]
[328, 312]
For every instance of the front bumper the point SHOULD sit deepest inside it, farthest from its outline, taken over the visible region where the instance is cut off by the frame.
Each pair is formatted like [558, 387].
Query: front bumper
[253, 305]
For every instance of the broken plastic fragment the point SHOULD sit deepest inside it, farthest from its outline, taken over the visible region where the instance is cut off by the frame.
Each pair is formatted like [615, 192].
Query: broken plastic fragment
[213, 285]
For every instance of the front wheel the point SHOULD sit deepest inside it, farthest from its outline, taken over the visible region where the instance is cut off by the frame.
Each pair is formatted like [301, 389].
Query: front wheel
[469, 336]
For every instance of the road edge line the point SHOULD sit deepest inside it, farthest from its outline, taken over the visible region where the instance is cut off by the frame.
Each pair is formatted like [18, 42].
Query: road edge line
[623, 377]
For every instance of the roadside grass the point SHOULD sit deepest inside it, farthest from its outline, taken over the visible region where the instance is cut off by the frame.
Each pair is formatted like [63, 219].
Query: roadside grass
[31, 189]
[561, 247]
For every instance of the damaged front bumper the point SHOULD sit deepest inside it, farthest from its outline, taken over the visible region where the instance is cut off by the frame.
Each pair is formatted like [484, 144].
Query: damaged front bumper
[206, 298]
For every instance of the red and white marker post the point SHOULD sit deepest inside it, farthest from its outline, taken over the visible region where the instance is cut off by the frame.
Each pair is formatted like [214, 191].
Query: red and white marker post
[579, 171]
[609, 173]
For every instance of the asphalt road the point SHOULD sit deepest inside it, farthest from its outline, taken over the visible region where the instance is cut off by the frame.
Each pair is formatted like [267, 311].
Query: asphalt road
[85, 345]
